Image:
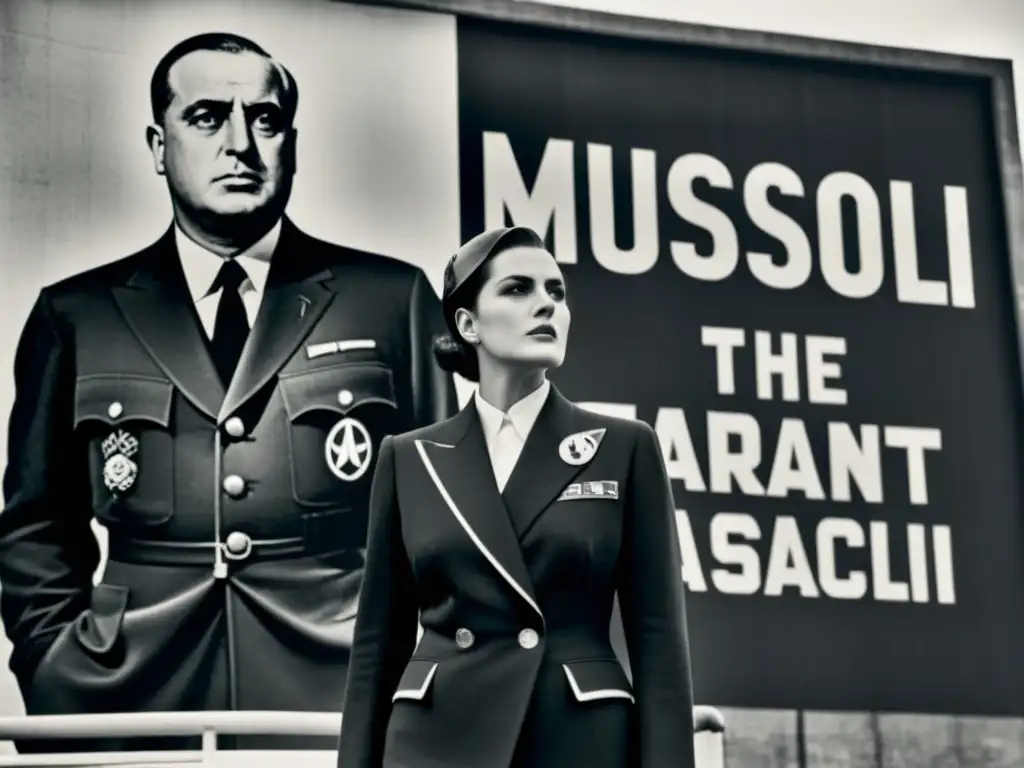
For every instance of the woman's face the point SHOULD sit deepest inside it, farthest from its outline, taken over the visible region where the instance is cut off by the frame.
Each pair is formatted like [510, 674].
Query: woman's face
[521, 317]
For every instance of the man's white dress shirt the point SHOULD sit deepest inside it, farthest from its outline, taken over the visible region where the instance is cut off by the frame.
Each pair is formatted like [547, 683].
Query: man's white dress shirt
[201, 267]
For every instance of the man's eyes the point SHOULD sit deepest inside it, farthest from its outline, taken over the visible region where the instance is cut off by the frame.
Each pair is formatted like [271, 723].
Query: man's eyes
[267, 121]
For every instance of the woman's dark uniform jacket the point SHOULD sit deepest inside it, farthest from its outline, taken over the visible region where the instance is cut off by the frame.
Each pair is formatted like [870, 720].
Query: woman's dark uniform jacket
[515, 666]
[118, 351]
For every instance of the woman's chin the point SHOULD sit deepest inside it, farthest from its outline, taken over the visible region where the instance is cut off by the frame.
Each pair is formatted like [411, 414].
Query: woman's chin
[537, 359]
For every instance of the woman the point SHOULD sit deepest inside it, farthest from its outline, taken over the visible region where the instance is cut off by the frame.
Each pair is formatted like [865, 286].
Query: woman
[508, 528]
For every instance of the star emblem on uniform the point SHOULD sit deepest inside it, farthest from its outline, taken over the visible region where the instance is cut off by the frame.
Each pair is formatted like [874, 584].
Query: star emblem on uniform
[348, 449]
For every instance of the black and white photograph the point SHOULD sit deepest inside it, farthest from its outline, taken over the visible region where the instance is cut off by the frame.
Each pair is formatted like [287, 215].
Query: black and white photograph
[510, 383]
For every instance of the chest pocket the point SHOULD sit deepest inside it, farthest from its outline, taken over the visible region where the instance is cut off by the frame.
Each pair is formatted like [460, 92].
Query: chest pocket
[338, 416]
[125, 422]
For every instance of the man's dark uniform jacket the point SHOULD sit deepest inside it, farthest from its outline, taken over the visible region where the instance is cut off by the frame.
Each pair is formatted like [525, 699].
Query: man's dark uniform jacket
[236, 514]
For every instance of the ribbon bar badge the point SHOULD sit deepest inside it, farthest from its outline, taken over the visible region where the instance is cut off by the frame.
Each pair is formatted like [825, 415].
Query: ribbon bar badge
[336, 347]
[593, 489]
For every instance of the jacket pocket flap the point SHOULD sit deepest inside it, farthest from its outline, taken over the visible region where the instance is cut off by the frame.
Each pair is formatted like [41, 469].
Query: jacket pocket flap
[593, 679]
[116, 399]
[416, 680]
[339, 389]
[98, 628]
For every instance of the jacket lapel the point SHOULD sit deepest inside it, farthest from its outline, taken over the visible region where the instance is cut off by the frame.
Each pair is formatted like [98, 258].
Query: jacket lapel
[459, 466]
[299, 289]
[540, 475]
[158, 309]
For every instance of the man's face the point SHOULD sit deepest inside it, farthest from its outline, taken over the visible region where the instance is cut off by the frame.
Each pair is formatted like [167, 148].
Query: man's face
[224, 145]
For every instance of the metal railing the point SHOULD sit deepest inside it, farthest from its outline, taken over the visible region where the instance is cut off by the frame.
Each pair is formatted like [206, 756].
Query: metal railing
[708, 726]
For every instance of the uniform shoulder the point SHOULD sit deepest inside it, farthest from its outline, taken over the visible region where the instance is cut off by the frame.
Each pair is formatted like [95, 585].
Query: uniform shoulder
[628, 427]
[95, 278]
[343, 256]
[429, 433]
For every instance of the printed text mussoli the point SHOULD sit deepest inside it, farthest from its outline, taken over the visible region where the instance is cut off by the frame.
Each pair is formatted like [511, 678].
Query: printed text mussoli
[552, 199]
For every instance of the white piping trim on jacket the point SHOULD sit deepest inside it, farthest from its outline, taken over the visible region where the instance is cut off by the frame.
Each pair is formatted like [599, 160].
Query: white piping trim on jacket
[469, 530]
[601, 693]
[416, 694]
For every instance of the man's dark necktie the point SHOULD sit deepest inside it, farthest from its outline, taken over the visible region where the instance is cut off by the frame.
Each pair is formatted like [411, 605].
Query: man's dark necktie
[231, 328]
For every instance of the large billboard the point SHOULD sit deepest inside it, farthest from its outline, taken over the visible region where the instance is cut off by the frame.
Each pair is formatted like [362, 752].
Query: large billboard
[794, 264]
[798, 273]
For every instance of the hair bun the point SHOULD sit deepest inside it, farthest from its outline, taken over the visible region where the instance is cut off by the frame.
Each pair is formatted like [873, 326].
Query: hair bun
[456, 357]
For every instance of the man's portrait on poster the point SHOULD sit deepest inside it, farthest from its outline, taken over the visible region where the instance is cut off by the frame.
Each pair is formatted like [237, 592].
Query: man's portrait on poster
[216, 401]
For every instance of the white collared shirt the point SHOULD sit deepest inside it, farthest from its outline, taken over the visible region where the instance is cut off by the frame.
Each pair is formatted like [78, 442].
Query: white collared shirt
[201, 267]
[506, 434]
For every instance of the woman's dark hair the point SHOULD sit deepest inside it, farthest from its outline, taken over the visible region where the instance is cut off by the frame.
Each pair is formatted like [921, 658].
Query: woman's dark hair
[452, 353]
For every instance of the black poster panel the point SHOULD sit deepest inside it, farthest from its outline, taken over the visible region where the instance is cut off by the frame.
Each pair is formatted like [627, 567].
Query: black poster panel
[797, 271]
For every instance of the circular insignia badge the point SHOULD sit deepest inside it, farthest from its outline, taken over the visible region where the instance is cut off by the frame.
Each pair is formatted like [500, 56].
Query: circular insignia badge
[119, 473]
[348, 449]
[580, 448]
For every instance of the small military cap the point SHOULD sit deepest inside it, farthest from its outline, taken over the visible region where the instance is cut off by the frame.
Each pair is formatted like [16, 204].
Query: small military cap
[475, 252]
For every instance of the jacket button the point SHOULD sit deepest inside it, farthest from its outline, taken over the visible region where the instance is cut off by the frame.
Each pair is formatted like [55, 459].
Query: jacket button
[345, 397]
[464, 638]
[234, 486]
[234, 427]
[238, 545]
[528, 639]
[115, 410]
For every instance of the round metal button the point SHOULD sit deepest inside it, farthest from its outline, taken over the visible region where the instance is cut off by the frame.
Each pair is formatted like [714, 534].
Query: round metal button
[345, 397]
[115, 410]
[234, 427]
[528, 639]
[238, 545]
[234, 485]
[464, 638]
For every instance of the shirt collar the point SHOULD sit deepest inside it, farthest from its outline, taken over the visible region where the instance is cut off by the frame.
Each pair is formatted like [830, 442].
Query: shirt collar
[523, 414]
[201, 266]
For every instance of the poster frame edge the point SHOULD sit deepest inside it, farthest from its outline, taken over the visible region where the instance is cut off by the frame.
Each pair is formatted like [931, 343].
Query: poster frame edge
[997, 73]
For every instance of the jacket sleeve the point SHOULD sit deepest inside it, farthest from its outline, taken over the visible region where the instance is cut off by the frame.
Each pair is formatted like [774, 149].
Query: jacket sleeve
[386, 622]
[654, 613]
[433, 390]
[48, 552]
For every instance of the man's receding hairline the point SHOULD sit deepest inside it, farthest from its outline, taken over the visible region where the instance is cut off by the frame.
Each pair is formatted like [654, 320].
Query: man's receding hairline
[274, 63]
[278, 67]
